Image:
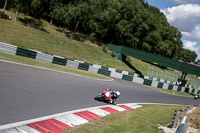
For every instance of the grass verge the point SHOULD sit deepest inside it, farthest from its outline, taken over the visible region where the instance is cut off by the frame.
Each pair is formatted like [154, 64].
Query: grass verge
[33, 62]
[174, 92]
[141, 120]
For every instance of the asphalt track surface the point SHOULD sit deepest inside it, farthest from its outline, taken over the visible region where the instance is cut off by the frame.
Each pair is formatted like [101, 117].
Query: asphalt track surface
[28, 92]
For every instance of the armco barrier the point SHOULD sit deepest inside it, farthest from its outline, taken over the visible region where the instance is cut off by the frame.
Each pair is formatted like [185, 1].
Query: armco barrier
[111, 72]
[26, 52]
[147, 82]
[59, 61]
[170, 87]
[116, 75]
[104, 72]
[44, 57]
[83, 66]
[93, 69]
[7, 48]
[127, 77]
[72, 64]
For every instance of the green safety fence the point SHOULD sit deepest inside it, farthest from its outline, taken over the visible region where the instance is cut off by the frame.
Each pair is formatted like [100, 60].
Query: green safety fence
[154, 58]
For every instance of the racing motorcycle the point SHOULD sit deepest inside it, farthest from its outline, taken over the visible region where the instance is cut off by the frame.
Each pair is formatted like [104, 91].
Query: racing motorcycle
[108, 96]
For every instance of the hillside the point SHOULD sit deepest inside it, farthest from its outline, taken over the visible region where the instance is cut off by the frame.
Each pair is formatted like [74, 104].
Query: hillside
[35, 34]
[51, 40]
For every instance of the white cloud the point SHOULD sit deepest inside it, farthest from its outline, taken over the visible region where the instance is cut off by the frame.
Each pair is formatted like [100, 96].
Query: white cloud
[194, 34]
[192, 45]
[185, 1]
[186, 18]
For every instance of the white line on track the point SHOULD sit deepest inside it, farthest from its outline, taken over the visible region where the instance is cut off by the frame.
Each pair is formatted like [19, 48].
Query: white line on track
[54, 70]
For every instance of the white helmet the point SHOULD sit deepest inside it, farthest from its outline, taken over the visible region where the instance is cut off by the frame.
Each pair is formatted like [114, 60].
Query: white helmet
[118, 93]
[108, 89]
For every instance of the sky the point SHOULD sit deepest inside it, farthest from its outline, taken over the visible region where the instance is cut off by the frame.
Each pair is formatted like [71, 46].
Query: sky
[184, 15]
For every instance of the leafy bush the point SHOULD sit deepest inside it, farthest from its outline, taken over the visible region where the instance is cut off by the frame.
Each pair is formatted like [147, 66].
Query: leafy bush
[128, 59]
[113, 54]
[105, 49]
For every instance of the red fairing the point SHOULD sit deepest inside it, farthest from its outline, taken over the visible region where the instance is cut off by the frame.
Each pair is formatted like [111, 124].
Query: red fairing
[106, 94]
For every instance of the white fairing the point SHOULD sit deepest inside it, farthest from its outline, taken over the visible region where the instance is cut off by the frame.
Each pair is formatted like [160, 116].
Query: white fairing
[107, 94]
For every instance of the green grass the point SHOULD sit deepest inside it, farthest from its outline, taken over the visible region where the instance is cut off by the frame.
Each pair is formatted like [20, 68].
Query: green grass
[54, 42]
[33, 62]
[174, 92]
[141, 120]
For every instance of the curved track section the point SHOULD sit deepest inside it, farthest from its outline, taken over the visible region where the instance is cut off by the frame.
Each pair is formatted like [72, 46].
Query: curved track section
[29, 92]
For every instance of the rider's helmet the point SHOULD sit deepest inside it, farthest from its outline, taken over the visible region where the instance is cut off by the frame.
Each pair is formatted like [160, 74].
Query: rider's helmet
[117, 93]
[108, 89]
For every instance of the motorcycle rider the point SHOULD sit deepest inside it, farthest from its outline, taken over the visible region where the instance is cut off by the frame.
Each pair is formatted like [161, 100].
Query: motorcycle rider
[110, 95]
[114, 96]
[106, 94]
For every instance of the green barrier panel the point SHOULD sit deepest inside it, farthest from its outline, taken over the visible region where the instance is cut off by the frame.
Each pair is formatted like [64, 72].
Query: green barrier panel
[130, 73]
[83, 66]
[59, 61]
[170, 87]
[26, 52]
[126, 77]
[147, 82]
[160, 85]
[193, 90]
[179, 88]
[104, 72]
[105, 68]
[119, 71]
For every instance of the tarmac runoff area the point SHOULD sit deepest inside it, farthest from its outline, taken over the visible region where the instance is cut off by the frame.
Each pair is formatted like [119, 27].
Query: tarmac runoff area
[59, 122]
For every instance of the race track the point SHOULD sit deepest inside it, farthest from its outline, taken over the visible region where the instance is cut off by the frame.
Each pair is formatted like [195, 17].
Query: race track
[29, 92]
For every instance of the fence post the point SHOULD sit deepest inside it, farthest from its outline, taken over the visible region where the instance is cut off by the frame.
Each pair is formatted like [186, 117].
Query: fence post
[161, 74]
[156, 73]
[152, 72]
[148, 71]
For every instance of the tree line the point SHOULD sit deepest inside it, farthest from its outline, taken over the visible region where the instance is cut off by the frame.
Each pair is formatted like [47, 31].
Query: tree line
[132, 23]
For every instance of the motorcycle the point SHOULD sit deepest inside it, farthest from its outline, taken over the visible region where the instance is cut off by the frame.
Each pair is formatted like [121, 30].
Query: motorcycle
[109, 99]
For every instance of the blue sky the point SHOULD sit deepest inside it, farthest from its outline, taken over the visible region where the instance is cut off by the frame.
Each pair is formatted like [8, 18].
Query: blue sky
[162, 3]
[185, 15]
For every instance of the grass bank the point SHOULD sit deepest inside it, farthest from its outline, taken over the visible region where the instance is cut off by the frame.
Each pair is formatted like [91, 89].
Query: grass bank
[141, 120]
[51, 40]
[35, 34]
[33, 62]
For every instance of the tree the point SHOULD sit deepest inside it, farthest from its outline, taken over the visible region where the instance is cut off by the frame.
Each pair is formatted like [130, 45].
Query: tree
[4, 8]
[19, 4]
[188, 55]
